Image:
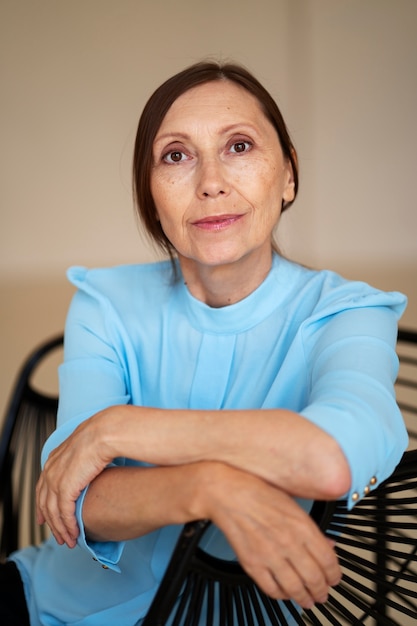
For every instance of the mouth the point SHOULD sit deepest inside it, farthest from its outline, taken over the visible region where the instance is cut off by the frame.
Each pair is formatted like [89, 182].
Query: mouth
[217, 222]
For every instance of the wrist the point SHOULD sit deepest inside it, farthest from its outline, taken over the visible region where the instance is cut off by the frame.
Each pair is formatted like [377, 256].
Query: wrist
[108, 431]
[213, 484]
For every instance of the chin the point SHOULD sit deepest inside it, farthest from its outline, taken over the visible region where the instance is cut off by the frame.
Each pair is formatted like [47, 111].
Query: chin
[221, 257]
[225, 255]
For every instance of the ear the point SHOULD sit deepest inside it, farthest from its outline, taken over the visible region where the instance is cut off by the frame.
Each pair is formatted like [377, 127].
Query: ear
[288, 193]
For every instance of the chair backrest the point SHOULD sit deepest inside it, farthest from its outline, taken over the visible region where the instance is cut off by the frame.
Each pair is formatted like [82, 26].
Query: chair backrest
[30, 418]
[406, 385]
[376, 543]
[377, 549]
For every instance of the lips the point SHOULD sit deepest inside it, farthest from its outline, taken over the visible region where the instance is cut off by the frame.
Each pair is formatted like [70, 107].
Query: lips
[217, 222]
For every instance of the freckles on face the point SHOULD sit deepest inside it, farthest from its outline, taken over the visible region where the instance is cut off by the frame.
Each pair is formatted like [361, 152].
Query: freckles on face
[262, 182]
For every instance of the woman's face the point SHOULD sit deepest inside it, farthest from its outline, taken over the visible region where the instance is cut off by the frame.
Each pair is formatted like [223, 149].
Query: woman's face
[219, 176]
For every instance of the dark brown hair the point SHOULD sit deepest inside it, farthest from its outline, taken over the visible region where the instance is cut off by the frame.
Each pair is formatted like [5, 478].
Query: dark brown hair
[154, 112]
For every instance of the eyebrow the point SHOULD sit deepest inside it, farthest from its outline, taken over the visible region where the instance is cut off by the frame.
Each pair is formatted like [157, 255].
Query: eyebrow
[223, 131]
[170, 135]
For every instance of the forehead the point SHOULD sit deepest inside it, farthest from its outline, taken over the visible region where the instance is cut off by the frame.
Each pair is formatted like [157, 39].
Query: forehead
[213, 99]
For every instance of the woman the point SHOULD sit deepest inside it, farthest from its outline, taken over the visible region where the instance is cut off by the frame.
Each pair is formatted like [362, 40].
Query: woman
[226, 383]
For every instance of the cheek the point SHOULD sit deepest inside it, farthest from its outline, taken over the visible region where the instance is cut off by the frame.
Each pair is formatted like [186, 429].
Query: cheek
[274, 184]
[165, 187]
[264, 187]
[260, 173]
[161, 194]
[168, 209]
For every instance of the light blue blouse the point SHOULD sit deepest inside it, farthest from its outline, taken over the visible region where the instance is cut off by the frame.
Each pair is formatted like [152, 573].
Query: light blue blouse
[304, 340]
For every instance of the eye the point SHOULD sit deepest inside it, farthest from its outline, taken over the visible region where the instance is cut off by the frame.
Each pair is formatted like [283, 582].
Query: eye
[174, 156]
[240, 146]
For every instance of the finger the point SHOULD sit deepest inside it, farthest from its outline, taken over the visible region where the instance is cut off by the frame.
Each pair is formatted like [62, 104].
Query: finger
[292, 587]
[267, 582]
[49, 520]
[63, 525]
[312, 578]
[40, 489]
[316, 576]
[328, 562]
[71, 526]
[64, 530]
[41, 514]
[59, 530]
[282, 583]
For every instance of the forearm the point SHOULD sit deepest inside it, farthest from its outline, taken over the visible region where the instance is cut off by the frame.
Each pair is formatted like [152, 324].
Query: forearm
[279, 446]
[266, 528]
[127, 502]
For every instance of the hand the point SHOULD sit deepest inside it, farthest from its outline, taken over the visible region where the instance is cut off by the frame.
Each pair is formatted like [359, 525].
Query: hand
[275, 540]
[68, 470]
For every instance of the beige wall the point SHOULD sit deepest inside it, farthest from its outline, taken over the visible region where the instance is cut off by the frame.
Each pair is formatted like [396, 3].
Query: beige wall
[75, 75]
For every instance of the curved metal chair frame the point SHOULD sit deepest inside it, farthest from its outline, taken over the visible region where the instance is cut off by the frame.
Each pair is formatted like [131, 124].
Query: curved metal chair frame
[30, 418]
[406, 384]
[376, 543]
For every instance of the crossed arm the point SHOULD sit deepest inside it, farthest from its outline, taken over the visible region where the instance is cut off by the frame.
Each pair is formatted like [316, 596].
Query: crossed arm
[241, 469]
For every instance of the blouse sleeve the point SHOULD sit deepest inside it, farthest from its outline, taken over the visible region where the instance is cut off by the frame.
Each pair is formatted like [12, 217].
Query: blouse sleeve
[91, 378]
[353, 366]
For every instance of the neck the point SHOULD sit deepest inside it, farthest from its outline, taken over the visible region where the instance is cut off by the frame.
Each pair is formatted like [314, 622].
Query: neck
[222, 285]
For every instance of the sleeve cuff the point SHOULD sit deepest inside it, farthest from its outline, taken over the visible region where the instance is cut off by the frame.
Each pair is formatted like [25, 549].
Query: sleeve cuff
[106, 553]
[370, 463]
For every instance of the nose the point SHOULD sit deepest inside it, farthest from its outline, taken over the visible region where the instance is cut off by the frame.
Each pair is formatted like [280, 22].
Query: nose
[212, 181]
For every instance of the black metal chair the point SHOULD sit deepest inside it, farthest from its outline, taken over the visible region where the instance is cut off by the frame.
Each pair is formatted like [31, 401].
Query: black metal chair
[376, 543]
[29, 420]
[406, 385]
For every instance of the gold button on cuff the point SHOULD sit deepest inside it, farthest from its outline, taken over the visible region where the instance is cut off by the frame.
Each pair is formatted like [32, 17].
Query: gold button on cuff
[366, 490]
[355, 496]
[373, 480]
[104, 567]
